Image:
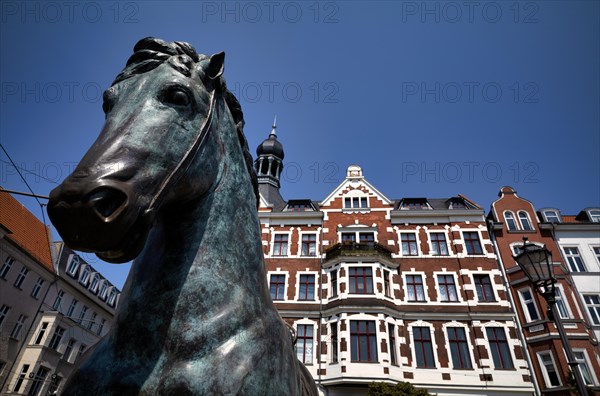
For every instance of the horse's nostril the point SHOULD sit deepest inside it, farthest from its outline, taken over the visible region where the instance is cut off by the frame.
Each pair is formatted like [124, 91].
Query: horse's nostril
[107, 200]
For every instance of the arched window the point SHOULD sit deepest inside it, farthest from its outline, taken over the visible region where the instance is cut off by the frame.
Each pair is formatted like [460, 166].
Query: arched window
[85, 275]
[95, 282]
[525, 223]
[511, 223]
[73, 265]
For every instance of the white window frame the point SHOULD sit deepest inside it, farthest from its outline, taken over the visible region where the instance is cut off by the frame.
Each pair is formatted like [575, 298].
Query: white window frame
[112, 297]
[570, 255]
[357, 230]
[430, 244]
[561, 298]
[456, 286]
[348, 335]
[417, 241]
[358, 199]
[301, 235]
[544, 213]
[315, 276]
[360, 196]
[372, 266]
[523, 302]
[390, 275]
[95, 282]
[308, 322]
[330, 283]
[492, 284]
[514, 220]
[594, 215]
[289, 242]
[425, 288]
[285, 284]
[85, 275]
[466, 328]
[587, 362]
[596, 307]
[465, 253]
[73, 265]
[527, 218]
[596, 252]
[103, 289]
[420, 323]
[545, 370]
[509, 341]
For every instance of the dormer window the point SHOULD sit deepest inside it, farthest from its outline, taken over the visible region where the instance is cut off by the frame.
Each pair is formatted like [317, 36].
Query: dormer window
[594, 215]
[95, 282]
[551, 216]
[103, 290]
[299, 206]
[112, 297]
[73, 265]
[85, 275]
[414, 204]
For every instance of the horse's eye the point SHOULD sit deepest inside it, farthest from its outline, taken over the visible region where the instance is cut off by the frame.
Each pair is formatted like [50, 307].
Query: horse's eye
[176, 96]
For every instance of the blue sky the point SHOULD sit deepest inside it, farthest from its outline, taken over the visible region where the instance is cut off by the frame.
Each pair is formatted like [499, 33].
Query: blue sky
[430, 98]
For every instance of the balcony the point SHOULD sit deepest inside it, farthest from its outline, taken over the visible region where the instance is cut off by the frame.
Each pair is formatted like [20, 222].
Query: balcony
[356, 249]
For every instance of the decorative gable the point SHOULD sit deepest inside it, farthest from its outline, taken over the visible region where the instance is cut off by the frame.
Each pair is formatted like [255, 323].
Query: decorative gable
[355, 193]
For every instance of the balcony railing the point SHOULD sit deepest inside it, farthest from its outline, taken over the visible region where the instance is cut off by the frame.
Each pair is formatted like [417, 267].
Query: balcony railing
[357, 249]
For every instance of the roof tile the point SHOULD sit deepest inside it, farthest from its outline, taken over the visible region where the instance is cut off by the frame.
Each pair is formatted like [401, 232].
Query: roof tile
[25, 230]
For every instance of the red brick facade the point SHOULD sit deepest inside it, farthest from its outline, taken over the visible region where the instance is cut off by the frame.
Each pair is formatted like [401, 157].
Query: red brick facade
[508, 222]
[404, 290]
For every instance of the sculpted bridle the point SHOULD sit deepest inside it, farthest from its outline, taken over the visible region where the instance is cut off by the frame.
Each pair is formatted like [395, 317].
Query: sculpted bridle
[185, 161]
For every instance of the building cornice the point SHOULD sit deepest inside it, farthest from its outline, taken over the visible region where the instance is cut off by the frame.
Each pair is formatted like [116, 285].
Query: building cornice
[318, 216]
[439, 216]
[592, 227]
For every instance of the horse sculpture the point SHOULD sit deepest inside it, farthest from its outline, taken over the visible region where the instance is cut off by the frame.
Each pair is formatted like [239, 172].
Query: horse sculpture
[170, 182]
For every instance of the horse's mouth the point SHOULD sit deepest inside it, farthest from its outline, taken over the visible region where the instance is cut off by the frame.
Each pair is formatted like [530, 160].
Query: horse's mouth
[130, 247]
[115, 232]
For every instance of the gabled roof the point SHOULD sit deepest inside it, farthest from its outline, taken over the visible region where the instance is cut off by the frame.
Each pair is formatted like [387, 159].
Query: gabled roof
[25, 230]
[352, 180]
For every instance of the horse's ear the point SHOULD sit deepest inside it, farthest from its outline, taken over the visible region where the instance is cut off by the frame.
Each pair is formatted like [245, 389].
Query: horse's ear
[216, 65]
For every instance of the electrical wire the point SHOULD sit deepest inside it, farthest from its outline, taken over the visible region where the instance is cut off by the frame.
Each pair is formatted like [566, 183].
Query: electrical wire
[30, 172]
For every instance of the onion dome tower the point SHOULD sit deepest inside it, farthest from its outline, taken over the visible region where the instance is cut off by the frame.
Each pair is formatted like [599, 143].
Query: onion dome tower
[268, 166]
[269, 161]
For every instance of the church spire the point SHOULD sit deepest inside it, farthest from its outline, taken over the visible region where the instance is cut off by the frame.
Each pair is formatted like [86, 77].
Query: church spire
[269, 161]
[273, 132]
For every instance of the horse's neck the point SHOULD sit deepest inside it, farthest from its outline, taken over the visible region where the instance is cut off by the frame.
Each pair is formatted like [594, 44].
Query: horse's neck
[202, 263]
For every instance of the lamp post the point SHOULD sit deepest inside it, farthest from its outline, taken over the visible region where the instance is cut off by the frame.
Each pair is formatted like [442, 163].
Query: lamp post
[536, 263]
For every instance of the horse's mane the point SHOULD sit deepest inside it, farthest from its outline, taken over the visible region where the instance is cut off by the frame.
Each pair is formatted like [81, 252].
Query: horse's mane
[151, 52]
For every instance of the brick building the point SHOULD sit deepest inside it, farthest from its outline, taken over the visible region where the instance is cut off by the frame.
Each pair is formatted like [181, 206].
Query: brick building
[389, 290]
[578, 237]
[510, 219]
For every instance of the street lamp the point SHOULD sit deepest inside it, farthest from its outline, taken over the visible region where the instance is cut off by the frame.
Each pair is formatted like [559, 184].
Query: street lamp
[536, 263]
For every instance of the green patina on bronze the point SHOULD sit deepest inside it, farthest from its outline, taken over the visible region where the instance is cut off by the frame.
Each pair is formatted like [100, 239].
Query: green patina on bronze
[169, 182]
